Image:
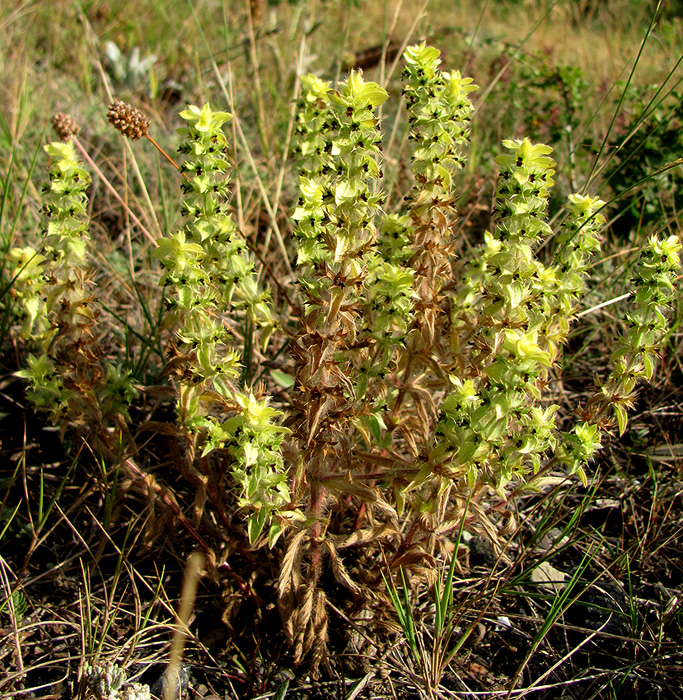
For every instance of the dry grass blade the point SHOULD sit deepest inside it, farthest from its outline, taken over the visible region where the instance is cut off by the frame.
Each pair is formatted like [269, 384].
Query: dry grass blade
[172, 689]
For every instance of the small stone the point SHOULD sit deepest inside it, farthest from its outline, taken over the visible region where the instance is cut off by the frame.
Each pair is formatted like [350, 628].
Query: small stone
[601, 603]
[481, 551]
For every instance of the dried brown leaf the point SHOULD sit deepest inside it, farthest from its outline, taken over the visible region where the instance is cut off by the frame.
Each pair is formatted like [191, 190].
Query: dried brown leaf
[339, 570]
[161, 428]
[366, 535]
[413, 555]
[290, 571]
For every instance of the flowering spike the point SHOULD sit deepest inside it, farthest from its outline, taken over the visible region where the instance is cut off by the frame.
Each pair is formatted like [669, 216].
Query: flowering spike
[209, 276]
[129, 120]
[65, 126]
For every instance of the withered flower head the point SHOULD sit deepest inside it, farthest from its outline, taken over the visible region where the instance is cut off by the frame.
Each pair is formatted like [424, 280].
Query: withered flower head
[129, 120]
[65, 126]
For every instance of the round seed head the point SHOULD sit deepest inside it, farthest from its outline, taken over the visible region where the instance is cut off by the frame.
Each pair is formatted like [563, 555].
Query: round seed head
[65, 126]
[129, 120]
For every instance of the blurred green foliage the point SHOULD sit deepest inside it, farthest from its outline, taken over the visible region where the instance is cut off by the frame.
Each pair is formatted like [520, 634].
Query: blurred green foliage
[648, 140]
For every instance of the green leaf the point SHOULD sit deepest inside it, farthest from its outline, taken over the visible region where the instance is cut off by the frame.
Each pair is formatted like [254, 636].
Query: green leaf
[650, 362]
[282, 379]
[255, 524]
[622, 418]
[376, 425]
[372, 94]
[421, 54]
[274, 532]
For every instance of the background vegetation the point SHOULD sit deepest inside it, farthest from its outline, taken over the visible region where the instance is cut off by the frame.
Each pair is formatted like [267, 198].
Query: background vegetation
[577, 590]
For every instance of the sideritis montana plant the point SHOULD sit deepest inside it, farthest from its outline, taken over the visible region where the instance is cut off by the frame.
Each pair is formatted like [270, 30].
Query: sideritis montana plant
[420, 382]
